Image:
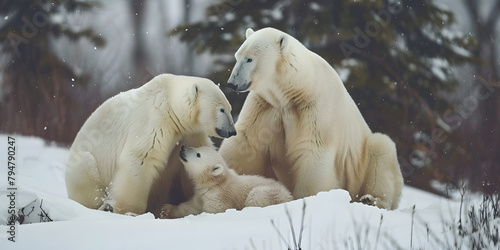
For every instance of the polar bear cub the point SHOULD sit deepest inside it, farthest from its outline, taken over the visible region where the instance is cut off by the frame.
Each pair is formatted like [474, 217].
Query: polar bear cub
[218, 188]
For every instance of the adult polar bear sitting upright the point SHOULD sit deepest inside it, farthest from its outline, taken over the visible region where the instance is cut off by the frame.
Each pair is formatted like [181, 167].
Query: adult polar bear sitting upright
[299, 119]
[125, 155]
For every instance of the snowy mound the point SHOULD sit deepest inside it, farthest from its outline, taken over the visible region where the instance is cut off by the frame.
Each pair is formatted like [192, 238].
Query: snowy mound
[330, 221]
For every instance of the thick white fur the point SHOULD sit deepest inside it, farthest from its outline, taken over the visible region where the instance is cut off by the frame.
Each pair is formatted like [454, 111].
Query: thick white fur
[122, 156]
[300, 125]
[218, 188]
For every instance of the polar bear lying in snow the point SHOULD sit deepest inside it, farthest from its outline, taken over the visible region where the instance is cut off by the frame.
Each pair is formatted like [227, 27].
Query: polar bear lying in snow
[218, 188]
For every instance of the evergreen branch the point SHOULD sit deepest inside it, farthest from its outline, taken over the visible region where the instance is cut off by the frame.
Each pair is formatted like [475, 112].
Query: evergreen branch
[88, 33]
[406, 87]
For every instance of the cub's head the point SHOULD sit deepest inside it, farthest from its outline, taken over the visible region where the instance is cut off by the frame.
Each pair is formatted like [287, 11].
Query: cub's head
[200, 106]
[258, 58]
[204, 165]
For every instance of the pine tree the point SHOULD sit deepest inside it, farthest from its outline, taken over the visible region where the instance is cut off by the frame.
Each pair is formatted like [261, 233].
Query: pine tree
[395, 58]
[37, 97]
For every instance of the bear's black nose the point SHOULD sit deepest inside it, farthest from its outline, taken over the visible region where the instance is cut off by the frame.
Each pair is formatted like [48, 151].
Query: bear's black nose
[225, 133]
[182, 154]
[232, 86]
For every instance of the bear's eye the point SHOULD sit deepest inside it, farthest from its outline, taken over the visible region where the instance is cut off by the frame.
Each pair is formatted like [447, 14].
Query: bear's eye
[222, 110]
[249, 60]
[198, 155]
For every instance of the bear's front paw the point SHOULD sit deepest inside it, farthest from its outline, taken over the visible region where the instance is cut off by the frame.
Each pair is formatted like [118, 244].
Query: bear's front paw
[167, 211]
[106, 207]
[368, 199]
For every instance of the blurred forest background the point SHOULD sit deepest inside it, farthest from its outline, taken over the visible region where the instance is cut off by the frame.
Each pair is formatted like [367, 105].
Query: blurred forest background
[424, 72]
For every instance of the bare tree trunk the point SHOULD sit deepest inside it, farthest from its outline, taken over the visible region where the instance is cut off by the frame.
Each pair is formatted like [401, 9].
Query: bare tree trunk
[484, 139]
[188, 65]
[140, 74]
[164, 29]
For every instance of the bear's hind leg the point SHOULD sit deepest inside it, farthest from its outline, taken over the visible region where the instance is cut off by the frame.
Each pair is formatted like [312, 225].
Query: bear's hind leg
[313, 171]
[383, 180]
[263, 196]
[82, 180]
[132, 184]
[130, 190]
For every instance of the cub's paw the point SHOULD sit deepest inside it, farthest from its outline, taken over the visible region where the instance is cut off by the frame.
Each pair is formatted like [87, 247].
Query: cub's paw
[106, 207]
[131, 214]
[368, 199]
[167, 211]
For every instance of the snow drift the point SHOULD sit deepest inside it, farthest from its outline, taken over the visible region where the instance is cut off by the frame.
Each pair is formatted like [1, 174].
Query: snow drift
[330, 221]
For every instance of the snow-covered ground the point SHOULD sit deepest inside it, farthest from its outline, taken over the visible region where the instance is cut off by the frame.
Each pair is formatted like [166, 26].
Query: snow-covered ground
[330, 221]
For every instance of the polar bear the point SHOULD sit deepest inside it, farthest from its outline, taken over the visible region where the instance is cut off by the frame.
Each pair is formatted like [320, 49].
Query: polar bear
[300, 125]
[121, 159]
[218, 188]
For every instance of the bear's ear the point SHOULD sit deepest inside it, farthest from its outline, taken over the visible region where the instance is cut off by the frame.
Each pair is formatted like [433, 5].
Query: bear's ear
[248, 33]
[193, 93]
[217, 169]
[283, 42]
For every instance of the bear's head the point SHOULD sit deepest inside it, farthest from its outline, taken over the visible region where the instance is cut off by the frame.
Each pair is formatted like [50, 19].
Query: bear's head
[200, 106]
[204, 166]
[258, 59]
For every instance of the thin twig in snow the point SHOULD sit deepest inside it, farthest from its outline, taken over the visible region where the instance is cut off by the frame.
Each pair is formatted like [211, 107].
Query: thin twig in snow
[302, 224]
[291, 225]
[411, 233]
[378, 231]
[281, 236]
[44, 216]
